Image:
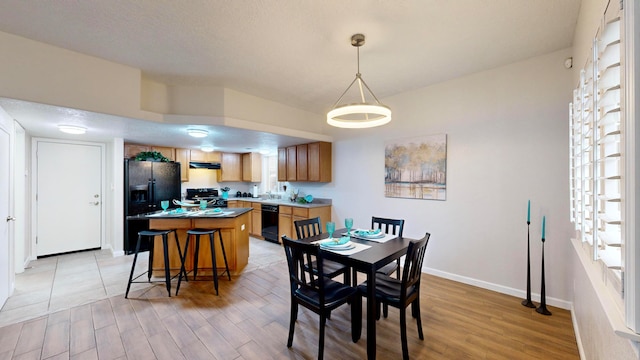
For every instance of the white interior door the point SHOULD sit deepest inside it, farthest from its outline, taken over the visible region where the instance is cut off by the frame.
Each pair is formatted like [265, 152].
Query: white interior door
[5, 217]
[68, 197]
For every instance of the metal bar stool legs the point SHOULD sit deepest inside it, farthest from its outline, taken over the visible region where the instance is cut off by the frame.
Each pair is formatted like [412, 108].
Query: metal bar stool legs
[211, 233]
[151, 234]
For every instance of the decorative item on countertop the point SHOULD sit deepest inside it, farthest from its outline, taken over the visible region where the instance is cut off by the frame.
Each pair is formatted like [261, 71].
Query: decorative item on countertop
[185, 203]
[294, 194]
[151, 156]
[225, 192]
[542, 309]
[305, 199]
[527, 302]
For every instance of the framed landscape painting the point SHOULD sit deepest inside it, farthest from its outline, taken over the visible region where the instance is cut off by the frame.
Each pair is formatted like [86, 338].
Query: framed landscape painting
[416, 168]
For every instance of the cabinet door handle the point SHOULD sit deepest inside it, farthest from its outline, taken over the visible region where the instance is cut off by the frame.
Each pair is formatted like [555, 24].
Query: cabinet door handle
[10, 218]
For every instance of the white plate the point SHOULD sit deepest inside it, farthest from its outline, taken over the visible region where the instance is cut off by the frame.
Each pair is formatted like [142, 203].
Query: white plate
[339, 248]
[329, 244]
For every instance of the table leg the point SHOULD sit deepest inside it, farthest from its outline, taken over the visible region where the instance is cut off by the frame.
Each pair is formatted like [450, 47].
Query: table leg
[371, 313]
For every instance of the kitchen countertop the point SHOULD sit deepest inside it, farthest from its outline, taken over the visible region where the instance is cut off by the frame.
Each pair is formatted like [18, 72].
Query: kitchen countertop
[226, 213]
[284, 202]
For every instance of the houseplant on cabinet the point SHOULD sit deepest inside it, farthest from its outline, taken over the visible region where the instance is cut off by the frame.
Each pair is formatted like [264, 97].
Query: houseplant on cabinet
[151, 156]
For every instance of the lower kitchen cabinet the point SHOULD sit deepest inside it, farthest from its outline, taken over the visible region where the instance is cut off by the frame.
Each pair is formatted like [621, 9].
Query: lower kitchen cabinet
[285, 223]
[243, 204]
[289, 214]
[256, 219]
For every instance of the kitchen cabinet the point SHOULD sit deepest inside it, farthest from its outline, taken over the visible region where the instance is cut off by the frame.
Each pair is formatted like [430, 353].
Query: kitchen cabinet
[244, 204]
[252, 167]
[182, 156]
[289, 214]
[292, 163]
[305, 162]
[319, 162]
[202, 156]
[131, 150]
[168, 152]
[285, 222]
[282, 164]
[231, 167]
[256, 219]
[301, 162]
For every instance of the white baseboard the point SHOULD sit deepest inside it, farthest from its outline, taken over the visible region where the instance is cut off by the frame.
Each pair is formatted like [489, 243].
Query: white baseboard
[563, 304]
[576, 331]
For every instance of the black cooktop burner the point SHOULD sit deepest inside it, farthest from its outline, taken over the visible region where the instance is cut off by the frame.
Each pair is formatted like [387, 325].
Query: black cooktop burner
[208, 194]
[202, 193]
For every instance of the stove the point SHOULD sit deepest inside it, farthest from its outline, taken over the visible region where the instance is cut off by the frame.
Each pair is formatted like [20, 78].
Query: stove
[209, 194]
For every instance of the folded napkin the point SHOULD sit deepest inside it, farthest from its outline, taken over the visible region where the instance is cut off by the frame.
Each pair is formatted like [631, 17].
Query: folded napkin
[343, 240]
[363, 232]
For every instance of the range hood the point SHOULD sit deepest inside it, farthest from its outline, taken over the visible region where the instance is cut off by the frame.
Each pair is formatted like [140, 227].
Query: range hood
[204, 165]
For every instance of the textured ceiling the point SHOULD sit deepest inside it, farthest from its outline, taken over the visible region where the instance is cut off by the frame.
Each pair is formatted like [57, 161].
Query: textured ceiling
[298, 52]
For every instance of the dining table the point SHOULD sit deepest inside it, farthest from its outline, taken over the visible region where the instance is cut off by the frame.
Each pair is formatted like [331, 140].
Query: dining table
[367, 261]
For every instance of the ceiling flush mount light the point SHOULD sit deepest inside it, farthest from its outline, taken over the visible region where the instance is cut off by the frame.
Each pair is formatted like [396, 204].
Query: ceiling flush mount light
[72, 129]
[361, 114]
[198, 133]
[207, 148]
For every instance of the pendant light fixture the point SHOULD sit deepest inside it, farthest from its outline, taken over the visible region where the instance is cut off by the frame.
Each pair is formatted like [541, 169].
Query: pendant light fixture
[361, 114]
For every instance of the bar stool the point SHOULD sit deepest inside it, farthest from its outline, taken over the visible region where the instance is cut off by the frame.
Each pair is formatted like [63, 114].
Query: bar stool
[150, 235]
[197, 232]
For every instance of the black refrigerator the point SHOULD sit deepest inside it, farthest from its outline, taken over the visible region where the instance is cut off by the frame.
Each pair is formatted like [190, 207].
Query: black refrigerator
[146, 184]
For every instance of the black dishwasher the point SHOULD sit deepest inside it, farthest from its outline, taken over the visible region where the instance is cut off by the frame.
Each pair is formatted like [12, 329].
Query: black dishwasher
[270, 222]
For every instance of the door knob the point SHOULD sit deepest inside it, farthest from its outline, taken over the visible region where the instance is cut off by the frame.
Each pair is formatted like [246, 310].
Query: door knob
[10, 218]
[94, 203]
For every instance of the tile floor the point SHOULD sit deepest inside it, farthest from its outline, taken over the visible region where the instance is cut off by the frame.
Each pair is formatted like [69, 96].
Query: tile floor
[62, 282]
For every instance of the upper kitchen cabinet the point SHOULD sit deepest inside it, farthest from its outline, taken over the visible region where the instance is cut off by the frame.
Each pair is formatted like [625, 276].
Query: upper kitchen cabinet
[319, 162]
[292, 162]
[168, 152]
[202, 156]
[131, 150]
[182, 156]
[282, 164]
[301, 163]
[252, 167]
[230, 167]
[306, 162]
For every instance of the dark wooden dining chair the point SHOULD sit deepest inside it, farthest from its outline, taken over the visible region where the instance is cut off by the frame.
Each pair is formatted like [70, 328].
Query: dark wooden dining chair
[389, 226]
[318, 293]
[311, 227]
[403, 292]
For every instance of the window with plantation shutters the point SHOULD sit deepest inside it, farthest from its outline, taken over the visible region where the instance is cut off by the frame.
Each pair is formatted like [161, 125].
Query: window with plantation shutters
[597, 147]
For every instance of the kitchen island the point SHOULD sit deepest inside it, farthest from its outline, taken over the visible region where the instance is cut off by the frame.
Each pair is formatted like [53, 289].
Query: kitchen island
[234, 226]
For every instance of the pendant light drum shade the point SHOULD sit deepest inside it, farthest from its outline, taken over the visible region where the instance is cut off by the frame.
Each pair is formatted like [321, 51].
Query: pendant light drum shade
[362, 114]
[356, 116]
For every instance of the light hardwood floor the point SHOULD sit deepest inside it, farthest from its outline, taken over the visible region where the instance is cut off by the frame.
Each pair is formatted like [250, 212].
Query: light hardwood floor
[249, 320]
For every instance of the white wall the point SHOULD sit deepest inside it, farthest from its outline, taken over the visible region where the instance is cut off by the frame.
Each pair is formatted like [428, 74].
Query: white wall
[507, 133]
